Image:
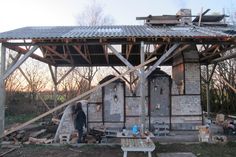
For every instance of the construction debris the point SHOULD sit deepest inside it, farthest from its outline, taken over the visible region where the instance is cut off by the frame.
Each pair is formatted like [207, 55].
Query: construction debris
[39, 141]
[204, 134]
[219, 139]
[37, 133]
[220, 118]
[5, 153]
[41, 133]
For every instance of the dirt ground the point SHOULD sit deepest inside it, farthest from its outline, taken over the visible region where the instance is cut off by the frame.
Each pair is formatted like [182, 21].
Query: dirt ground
[200, 150]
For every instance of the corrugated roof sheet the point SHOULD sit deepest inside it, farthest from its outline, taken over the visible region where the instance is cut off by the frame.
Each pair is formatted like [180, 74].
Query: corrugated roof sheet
[142, 31]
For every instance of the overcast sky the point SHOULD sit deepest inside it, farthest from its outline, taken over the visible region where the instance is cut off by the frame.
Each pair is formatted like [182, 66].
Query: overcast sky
[19, 13]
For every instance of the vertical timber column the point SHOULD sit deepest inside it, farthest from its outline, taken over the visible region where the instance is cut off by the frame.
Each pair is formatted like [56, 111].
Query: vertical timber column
[142, 87]
[2, 89]
[208, 91]
[55, 87]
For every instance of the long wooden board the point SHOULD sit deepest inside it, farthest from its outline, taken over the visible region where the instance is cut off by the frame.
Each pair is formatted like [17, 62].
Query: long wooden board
[77, 98]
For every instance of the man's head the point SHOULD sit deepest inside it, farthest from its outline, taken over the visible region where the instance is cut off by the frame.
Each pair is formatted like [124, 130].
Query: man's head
[79, 106]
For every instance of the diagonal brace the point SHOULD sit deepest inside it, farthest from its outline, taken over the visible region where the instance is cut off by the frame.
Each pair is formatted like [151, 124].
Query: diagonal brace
[18, 63]
[163, 57]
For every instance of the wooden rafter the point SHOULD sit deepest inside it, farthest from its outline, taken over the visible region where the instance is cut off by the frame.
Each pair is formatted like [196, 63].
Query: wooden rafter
[105, 50]
[52, 75]
[160, 60]
[177, 51]
[34, 56]
[117, 71]
[219, 52]
[216, 51]
[57, 54]
[208, 49]
[128, 50]
[14, 60]
[67, 51]
[78, 49]
[154, 52]
[45, 54]
[87, 53]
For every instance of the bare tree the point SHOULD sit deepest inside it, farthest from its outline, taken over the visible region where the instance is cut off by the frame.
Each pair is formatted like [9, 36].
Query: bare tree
[223, 82]
[37, 80]
[93, 15]
[73, 84]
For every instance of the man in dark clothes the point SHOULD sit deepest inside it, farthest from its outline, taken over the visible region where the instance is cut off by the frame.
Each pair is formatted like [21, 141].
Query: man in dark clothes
[80, 121]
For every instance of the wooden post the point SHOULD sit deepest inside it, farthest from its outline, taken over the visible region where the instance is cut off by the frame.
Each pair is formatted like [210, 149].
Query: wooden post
[55, 88]
[2, 90]
[142, 88]
[208, 91]
[77, 98]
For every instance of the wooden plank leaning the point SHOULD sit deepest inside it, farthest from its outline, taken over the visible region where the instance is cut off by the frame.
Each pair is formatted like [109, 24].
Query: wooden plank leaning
[77, 98]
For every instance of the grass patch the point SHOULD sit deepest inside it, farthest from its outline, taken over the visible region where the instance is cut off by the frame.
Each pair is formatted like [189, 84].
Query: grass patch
[201, 150]
[11, 119]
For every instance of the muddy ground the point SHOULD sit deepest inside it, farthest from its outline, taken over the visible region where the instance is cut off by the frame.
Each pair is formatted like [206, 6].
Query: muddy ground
[200, 150]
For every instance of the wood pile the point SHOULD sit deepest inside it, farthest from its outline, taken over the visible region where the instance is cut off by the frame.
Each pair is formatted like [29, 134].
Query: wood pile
[42, 133]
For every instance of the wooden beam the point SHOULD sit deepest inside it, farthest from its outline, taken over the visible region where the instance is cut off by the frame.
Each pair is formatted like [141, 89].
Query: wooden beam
[117, 71]
[128, 50]
[69, 53]
[2, 89]
[14, 60]
[34, 56]
[64, 76]
[125, 61]
[209, 49]
[8, 151]
[163, 57]
[212, 72]
[87, 53]
[142, 88]
[45, 104]
[177, 52]
[78, 49]
[218, 59]
[233, 55]
[106, 52]
[48, 54]
[58, 54]
[76, 98]
[154, 52]
[212, 54]
[18, 63]
[52, 74]
[226, 82]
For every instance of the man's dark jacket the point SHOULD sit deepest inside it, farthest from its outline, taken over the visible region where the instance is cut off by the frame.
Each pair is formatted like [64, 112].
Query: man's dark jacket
[80, 120]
